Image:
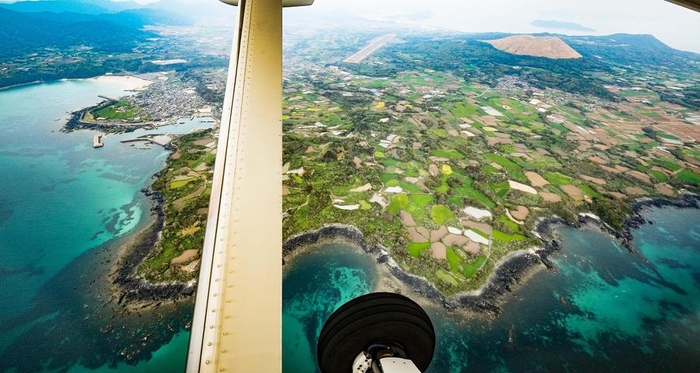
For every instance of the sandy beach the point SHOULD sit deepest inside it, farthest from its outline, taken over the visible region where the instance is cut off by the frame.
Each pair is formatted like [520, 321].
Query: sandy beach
[136, 83]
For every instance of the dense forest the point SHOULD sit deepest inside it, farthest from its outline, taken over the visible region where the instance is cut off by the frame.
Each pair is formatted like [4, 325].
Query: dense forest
[24, 33]
[643, 51]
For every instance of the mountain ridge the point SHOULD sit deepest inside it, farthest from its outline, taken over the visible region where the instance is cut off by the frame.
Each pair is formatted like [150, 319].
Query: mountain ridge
[130, 14]
[631, 49]
[21, 33]
[73, 6]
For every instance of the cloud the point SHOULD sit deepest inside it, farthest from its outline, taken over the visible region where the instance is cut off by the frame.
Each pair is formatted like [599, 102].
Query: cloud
[571, 26]
[418, 16]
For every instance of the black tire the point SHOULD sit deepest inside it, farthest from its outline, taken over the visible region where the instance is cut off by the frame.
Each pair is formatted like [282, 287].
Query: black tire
[375, 318]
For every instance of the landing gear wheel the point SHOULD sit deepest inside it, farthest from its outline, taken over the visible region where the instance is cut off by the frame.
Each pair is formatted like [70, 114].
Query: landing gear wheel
[375, 318]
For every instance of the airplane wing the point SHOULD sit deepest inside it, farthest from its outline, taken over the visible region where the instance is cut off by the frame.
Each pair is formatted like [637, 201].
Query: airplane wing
[690, 4]
[238, 319]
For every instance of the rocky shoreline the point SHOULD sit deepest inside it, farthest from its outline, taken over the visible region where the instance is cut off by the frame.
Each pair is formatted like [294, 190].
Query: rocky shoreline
[487, 300]
[134, 290]
[512, 271]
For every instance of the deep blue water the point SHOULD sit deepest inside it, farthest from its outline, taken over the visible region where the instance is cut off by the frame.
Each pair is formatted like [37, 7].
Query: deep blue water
[603, 309]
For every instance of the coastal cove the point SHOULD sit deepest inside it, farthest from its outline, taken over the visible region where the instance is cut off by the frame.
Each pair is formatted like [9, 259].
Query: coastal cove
[65, 218]
[601, 300]
[510, 272]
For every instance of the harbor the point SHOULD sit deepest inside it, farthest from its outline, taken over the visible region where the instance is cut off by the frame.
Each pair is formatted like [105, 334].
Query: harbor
[162, 140]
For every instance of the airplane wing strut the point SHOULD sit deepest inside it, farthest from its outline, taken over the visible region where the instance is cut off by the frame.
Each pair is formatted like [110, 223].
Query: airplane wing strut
[237, 319]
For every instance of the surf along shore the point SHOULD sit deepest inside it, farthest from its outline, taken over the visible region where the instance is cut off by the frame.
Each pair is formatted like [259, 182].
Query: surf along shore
[509, 273]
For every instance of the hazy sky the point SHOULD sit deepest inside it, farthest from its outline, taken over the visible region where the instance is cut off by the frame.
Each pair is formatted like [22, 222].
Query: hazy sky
[674, 25]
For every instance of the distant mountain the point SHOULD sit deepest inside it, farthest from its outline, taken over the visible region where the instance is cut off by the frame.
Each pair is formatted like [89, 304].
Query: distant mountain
[72, 6]
[204, 9]
[112, 6]
[132, 18]
[147, 16]
[626, 49]
[23, 33]
[127, 13]
[102, 24]
[535, 46]
[55, 7]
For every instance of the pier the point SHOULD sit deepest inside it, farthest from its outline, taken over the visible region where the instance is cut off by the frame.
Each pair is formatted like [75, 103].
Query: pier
[162, 140]
[97, 141]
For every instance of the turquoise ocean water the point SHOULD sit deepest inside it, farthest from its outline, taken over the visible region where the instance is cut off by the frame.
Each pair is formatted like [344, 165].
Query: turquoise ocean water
[603, 309]
[63, 204]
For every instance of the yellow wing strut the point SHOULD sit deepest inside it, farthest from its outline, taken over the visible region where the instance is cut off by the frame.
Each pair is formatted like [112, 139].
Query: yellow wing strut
[237, 319]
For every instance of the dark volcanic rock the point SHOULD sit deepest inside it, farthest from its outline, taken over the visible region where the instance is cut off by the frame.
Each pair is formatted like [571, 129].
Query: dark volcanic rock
[133, 288]
[510, 273]
[506, 277]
